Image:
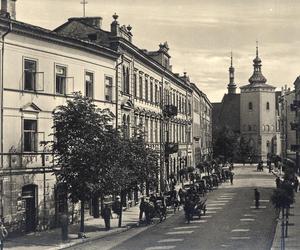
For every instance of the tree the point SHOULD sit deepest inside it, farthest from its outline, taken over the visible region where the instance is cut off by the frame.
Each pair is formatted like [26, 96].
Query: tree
[225, 144]
[245, 149]
[81, 132]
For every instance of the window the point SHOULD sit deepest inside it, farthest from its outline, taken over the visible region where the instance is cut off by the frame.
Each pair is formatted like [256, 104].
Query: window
[61, 74]
[151, 130]
[146, 130]
[134, 85]
[146, 90]
[108, 88]
[29, 74]
[89, 84]
[141, 87]
[250, 106]
[156, 132]
[268, 106]
[125, 73]
[151, 92]
[156, 95]
[30, 135]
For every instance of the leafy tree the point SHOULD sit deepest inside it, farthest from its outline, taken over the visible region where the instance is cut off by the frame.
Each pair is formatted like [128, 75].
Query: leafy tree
[245, 149]
[81, 132]
[225, 144]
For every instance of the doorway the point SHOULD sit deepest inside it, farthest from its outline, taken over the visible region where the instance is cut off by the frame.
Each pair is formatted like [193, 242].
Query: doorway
[29, 194]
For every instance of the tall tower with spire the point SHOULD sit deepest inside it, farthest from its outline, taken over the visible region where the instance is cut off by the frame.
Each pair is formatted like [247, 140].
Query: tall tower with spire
[258, 114]
[231, 85]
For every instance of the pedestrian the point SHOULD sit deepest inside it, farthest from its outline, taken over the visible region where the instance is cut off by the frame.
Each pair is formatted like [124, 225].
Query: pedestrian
[278, 182]
[116, 206]
[3, 234]
[106, 214]
[142, 208]
[256, 197]
[231, 177]
[269, 164]
[296, 184]
[188, 209]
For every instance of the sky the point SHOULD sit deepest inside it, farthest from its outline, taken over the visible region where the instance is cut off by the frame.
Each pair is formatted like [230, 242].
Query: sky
[200, 33]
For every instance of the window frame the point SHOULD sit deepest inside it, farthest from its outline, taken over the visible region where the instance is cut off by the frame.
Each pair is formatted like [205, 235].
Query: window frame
[56, 65]
[34, 73]
[111, 87]
[86, 72]
[250, 106]
[33, 147]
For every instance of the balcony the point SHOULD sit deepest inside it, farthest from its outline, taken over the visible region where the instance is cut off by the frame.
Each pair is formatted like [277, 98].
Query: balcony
[294, 126]
[171, 148]
[170, 110]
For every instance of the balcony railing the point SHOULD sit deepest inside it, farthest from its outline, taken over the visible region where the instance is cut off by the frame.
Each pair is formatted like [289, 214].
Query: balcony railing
[27, 160]
[170, 110]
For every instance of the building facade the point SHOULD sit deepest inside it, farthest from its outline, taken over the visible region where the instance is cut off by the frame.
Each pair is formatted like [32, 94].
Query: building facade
[40, 71]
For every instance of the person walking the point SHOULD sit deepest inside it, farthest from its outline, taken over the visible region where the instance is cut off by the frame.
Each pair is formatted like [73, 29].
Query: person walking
[278, 182]
[231, 177]
[269, 164]
[256, 197]
[296, 184]
[142, 208]
[106, 214]
[116, 206]
[3, 234]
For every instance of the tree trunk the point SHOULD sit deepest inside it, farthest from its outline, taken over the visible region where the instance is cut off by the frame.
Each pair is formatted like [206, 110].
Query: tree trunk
[121, 208]
[81, 233]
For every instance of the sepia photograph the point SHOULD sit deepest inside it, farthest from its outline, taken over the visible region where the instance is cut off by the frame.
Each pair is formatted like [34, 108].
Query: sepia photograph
[149, 125]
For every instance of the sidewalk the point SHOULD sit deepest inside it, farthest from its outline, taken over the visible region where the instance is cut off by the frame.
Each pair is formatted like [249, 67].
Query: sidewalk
[94, 229]
[292, 241]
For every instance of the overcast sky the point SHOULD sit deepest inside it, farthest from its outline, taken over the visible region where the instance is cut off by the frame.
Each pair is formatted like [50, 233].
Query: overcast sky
[200, 34]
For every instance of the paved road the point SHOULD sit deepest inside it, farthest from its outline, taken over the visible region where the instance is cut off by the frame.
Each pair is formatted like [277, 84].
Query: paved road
[231, 222]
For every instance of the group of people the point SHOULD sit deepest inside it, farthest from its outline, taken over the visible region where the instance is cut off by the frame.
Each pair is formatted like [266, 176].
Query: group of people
[294, 183]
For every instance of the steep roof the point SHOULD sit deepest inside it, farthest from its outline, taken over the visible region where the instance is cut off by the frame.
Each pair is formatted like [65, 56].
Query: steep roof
[227, 113]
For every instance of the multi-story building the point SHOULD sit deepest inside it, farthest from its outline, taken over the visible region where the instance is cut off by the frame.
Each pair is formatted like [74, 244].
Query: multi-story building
[202, 126]
[286, 121]
[40, 69]
[147, 88]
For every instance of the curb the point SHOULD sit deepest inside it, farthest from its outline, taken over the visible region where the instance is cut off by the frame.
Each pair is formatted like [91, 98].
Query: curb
[115, 232]
[84, 240]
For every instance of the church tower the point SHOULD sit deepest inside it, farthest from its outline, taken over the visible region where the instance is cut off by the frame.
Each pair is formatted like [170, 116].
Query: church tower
[258, 114]
[231, 86]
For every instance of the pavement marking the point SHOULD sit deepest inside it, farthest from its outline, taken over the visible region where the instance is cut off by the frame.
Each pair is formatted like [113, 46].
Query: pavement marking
[160, 247]
[263, 200]
[169, 240]
[219, 201]
[240, 230]
[213, 208]
[211, 212]
[249, 215]
[206, 216]
[198, 221]
[247, 219]
[188, 227]
[223, 198]
[215, 204]
[258, 207]
[224, 245]
[180, 232]
[240, 238]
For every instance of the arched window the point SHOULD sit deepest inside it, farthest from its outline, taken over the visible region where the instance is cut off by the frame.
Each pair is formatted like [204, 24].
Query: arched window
[250, 106]
[268, 128]
[268, 106]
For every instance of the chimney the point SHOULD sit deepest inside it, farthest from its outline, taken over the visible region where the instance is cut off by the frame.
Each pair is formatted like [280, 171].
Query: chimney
[8, 8]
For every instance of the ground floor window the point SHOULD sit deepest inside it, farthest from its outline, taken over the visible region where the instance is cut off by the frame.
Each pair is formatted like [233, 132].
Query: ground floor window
[30, 135]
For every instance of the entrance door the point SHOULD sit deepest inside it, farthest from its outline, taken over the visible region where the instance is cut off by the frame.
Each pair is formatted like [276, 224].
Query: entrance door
[29, 194]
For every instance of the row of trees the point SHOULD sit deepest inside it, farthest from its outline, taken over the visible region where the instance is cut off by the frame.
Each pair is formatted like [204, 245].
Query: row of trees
[95, 159]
